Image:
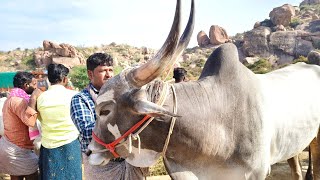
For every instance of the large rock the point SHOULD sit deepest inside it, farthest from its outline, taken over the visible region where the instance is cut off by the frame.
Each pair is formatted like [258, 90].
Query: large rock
[303, 47]
[218, 35]
[311, 27]
[316, 41]
[42, 58]
[284, 41]
[203, 39]
[289, 45]
[314, 57]
[310, 2]
[282, 15]
[63, 51]
[255, 42]
[66, 61]
[46, 45]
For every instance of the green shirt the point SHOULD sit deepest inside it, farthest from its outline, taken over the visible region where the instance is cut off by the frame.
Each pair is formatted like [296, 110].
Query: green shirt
[53, 106]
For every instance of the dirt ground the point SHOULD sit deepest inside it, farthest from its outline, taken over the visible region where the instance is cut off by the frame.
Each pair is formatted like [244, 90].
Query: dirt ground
[279, 171]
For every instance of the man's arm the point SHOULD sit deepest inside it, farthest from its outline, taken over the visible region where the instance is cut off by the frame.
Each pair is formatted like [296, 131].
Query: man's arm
[27, 114]
[83, 118]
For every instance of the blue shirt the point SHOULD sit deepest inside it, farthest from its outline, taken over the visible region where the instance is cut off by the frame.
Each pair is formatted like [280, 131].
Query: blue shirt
[83, 115]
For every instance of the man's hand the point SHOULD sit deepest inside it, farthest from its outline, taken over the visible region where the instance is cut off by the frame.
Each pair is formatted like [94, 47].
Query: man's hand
[35, 94]
[33, 99]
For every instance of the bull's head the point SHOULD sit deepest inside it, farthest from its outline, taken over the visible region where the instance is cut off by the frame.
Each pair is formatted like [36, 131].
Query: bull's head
[122, 100]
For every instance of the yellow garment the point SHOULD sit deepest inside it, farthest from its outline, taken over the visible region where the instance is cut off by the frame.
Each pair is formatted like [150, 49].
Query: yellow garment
[54, 114]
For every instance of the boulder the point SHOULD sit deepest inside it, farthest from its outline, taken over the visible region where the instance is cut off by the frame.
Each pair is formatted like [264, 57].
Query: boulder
[282, 15]
[280, 28]
[250, 60]
[46, 45]
[314, 57]
[203, 39]
[303, 47]
[316, 41]
[69, 62]
[63, 51]
[284, 41]
[255, 42]
[257, 24]
[310, 2]
[217, 35]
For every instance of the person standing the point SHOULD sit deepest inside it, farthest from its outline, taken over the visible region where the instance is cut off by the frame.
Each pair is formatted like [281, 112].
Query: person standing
[60, 153]
[17, 158]
[83, 114]
[179, 74]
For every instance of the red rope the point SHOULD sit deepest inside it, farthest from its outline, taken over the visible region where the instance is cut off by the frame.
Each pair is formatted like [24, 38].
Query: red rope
[111, 146]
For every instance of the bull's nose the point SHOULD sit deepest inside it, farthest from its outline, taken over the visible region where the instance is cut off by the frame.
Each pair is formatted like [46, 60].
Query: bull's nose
[88, 152]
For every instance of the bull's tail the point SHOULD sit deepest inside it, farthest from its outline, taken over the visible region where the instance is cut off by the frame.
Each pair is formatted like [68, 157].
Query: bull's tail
[309, 171]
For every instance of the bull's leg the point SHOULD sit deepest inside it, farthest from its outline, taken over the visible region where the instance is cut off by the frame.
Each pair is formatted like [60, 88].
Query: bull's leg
[295, 167]
[309, 175]
[315, 152]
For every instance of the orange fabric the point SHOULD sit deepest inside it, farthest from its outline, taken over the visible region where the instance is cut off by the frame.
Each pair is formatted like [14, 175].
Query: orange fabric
[17, 116]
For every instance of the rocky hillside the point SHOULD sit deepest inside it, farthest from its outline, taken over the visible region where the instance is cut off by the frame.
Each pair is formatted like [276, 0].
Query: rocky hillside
[124, 56]
[291, 34]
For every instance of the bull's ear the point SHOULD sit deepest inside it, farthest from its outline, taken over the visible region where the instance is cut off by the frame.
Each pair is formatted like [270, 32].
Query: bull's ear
[151, 109]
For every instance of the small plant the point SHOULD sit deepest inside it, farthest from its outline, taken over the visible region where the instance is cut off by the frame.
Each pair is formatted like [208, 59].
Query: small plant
[260, 67]
[295, 22]
[79, 77]
[301, 59]
[29, 62]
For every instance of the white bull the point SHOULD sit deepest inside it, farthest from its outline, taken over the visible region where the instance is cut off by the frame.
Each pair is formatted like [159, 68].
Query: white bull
[231, 123]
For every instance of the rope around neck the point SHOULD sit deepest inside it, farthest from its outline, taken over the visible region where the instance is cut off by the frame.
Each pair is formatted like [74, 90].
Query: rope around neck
[173, 121]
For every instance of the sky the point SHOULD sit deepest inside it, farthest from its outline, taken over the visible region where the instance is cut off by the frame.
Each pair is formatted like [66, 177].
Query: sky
[85, 23]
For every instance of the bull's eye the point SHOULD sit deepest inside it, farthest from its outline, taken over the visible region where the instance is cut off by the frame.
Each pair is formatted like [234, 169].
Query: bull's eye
[104, 112]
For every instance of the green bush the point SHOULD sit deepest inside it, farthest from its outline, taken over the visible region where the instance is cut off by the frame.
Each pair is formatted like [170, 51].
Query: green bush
[301, 59]
[295, 22]
[79, 77]
[260, 67]
[29, 62]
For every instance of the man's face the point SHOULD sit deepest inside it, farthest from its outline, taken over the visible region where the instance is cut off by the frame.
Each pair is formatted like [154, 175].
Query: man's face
[29, 88]
[100, 75]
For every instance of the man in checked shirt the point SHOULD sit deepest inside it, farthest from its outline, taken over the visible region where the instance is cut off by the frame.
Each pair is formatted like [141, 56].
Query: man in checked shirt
[99, 69]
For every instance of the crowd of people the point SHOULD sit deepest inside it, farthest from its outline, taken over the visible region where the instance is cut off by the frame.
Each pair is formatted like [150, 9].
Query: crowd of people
[67, 119]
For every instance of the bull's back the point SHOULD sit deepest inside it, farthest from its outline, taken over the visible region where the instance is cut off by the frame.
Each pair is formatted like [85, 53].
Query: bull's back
[291, 106]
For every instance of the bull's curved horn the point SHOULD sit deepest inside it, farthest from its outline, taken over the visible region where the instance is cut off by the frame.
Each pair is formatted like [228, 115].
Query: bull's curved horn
[185, 37]
[154, 67]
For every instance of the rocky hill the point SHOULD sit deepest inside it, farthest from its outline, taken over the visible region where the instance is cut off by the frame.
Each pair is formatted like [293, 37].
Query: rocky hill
[291, 34]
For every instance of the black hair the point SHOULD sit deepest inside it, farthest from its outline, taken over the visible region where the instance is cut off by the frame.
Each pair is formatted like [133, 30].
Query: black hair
[22, 78]
[99, 59]
[179, 74]
[56, 73]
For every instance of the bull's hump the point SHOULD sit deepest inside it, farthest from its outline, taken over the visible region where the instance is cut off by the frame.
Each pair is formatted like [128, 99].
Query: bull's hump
[224, 63]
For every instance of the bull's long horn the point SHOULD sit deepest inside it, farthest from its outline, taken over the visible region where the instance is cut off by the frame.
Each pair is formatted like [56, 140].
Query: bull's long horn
[185, 37]
[154, 67]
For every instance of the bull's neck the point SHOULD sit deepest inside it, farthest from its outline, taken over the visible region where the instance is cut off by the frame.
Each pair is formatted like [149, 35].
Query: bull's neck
[214, 116]
[199, 106]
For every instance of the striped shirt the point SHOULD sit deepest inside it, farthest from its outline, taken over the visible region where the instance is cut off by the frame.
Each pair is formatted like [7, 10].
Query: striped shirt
[83, 115]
